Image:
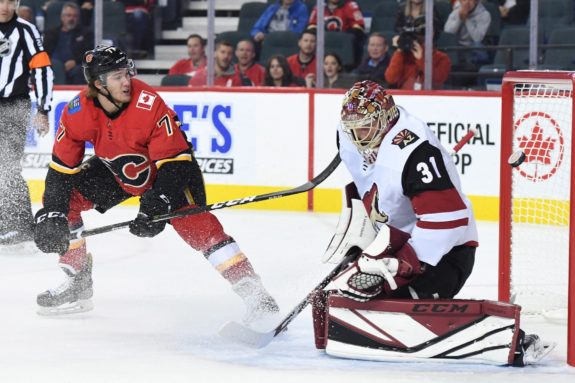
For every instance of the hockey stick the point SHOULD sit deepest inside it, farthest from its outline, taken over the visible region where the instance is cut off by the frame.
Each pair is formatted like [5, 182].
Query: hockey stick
[255, 339]
[221, 205]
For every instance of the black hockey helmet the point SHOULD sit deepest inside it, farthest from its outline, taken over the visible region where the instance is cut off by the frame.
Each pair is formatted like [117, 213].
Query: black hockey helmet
[104, 59]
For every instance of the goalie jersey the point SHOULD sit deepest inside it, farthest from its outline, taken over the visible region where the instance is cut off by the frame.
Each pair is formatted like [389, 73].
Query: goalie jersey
[413, 185]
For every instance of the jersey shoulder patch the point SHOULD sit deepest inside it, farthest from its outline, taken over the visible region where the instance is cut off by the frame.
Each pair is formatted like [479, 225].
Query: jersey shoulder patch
[74, 105]
[404, 138]
[145, 100]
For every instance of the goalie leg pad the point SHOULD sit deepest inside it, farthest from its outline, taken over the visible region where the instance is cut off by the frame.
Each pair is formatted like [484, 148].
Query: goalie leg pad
[468, 331]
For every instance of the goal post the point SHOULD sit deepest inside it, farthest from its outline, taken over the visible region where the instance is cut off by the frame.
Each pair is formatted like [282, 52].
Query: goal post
[536, 221]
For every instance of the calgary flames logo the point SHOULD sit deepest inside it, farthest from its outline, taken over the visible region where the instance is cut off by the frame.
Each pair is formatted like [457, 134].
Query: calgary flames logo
[539, 136]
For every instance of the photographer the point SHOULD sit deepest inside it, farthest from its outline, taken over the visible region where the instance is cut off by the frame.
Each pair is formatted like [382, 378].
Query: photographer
[407, 66]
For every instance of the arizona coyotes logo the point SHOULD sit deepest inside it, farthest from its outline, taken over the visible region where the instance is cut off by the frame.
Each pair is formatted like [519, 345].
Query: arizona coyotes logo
[132, 169]
[370, 200]
[404, 138]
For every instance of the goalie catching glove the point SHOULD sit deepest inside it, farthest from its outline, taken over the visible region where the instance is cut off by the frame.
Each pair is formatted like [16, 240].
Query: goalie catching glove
[387, 264]
[151, 204]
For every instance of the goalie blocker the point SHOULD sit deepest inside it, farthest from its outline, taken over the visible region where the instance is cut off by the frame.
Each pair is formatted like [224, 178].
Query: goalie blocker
[470, 331]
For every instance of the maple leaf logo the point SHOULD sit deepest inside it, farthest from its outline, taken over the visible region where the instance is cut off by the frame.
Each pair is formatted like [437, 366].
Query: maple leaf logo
[536, 148]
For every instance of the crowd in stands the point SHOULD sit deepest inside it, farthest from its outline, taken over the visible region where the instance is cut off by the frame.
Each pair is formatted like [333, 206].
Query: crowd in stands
[387, 41]
[465, 40]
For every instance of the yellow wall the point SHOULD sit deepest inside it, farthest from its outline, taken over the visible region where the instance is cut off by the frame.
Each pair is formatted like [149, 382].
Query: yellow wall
[325, 200]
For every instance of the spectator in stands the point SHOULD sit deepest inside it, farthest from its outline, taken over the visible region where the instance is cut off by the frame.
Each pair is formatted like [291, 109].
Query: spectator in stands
[332, 74]
[470, 21]
[377, 60]
[283, 15]
[278, 73]
[407, 67]
[139, 21]
[410, 10]
[303, 62]
[514, 12]
[249, 71]
[197, 57]
[68, 42]
[224, 72]
[27, 13]
[344, 16]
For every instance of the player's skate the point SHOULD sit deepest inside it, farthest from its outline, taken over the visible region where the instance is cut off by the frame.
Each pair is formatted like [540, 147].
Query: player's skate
[72, 296]
[259, 303]
[533, 349]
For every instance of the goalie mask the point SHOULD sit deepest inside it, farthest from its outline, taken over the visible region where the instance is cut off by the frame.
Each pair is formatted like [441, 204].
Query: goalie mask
[367, 114]
[104, 59]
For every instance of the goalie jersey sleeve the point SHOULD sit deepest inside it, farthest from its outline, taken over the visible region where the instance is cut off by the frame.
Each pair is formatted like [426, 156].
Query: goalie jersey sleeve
[414, 186]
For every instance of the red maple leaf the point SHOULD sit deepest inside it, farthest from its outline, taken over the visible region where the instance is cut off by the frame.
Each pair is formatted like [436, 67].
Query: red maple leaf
[536, 148]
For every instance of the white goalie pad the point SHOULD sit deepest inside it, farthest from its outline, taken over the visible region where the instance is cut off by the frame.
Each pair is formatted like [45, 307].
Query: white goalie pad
[447, 331]
[354, 229]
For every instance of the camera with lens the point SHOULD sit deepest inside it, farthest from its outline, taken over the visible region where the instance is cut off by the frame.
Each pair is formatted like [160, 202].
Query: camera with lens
[413, 28]
[406, 40]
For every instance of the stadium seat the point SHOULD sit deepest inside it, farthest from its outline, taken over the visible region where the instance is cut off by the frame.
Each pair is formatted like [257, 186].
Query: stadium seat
[494, 30]
[115, 24]
[560, 58]
[554, 13]
[278, 43]
[250, 13]
[59, 72]
[448, 40]
[52, 19]
[233, 37]
[384, 15]
[368, 6]
[342, 44]
[175, 80]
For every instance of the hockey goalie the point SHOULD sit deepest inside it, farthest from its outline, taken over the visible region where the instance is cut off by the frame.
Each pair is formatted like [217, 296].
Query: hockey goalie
[415, 235]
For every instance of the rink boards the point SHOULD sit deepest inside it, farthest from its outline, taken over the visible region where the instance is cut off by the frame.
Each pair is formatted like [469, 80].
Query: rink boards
[254, 140]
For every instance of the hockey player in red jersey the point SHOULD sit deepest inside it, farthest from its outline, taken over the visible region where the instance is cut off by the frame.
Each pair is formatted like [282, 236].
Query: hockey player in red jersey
[139, 151]
[416, 231]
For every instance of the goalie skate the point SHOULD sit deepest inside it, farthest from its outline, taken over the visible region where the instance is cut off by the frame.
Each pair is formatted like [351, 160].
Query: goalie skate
[534, 349]
[260, 305]
[70, 297]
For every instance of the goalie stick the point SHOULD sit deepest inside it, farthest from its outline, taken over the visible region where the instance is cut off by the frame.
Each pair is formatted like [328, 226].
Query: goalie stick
[255, 339]
[309, 185]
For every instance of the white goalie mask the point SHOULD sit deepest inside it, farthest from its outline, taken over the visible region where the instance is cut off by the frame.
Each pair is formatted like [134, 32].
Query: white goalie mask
[367, 114]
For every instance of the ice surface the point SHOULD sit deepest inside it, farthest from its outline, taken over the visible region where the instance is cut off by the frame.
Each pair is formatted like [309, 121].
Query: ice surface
[159, 305]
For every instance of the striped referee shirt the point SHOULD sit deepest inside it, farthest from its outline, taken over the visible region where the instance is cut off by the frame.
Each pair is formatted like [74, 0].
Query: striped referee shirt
[22, 57]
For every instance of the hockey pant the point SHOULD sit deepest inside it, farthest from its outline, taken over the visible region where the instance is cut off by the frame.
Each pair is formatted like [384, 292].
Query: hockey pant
[97, 189]
[15, 209]
[399, 330]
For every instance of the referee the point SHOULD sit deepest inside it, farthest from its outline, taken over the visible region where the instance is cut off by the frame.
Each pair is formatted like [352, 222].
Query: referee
[23, 61]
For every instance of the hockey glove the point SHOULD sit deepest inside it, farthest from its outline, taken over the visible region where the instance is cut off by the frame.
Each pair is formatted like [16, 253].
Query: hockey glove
[151, 204]
[387, 264]
[51, 232]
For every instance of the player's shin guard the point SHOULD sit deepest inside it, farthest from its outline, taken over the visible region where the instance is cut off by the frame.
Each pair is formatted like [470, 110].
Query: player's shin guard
[467, 331]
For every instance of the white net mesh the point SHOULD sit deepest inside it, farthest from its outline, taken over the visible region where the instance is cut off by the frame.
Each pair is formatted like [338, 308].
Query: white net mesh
[540, 197]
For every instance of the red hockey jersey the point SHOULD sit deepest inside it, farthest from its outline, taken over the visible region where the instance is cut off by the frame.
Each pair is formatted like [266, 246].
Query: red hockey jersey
[133, 145]
[343, 18]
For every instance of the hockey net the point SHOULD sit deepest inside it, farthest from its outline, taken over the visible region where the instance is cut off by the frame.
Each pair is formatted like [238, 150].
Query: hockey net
[537, 240]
